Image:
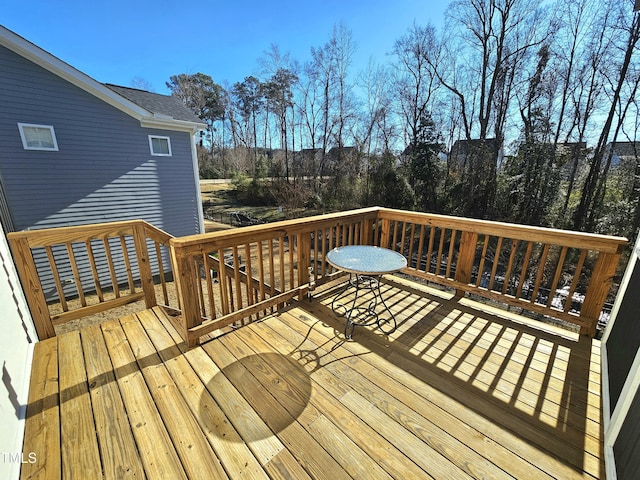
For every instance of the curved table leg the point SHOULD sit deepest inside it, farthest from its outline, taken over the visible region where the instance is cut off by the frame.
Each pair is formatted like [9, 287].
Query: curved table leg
[363, 315]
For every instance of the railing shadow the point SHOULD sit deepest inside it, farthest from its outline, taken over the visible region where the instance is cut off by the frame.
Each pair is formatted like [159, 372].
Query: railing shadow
[531, 382]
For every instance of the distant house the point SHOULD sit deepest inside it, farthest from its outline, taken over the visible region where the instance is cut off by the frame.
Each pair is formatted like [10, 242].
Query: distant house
[76, 151]
[344, 160]
[570, 149]
[307, 160]
[464, 152]
[623, 152]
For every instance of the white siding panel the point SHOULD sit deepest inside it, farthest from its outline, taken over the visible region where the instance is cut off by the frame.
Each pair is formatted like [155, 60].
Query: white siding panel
[18, 336]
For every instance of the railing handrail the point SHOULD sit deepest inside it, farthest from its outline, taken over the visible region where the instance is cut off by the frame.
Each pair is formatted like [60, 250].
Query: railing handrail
[44, 237]
[568, 238]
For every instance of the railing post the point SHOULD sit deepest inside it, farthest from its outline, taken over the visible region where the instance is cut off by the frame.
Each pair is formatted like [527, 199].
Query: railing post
[366, 236]
[386, 233]
[185, 277]
[32, 287]
[466, 256]
[599, 286]
[144, 267]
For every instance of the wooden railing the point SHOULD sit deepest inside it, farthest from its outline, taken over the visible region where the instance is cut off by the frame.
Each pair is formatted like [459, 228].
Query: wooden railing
[228, 276]
[563, 274]
[74, 272]
[231, 276]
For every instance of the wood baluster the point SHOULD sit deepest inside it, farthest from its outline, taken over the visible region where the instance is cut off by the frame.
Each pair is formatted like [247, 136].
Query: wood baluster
[496, 261]
[452, 243]
[483, 257]
[222, 283]
[440, 249]
[411, 239]
[432, 235]
[163, 281]
[261, 269]
[127, 263]
[112, 269]
[56, 278]
[76, 274]
[525, 268]
[420, 248]
[209, 282]
[556, 277]
[575, 280]
[291, 264]
[507, 275]
[541, 264]
[94, 270]
[281, 257]
[272, 271]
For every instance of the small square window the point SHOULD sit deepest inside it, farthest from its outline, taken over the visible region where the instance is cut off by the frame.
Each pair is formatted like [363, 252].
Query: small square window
[160, 146]
[38, 137]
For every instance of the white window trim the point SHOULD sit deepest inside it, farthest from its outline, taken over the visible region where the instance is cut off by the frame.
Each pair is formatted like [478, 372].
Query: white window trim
[24, 139]
[168, 139]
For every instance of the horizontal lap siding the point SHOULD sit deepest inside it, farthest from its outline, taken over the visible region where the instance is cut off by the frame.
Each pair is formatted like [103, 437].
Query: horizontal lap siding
[103, 170]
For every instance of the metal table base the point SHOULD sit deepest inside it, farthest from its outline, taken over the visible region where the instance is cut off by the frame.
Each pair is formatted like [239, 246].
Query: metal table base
[363, 314]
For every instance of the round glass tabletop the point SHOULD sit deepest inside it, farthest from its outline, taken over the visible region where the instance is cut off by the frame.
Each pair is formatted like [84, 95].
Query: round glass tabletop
[366, 259]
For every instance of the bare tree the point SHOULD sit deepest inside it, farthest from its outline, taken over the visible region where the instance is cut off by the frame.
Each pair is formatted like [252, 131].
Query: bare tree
[500, 33]
[578, 54]
[375, 82]
[324, 69]
[142, 83]
[332, 62]
[593, 188]
[495, 37]
[415, 82]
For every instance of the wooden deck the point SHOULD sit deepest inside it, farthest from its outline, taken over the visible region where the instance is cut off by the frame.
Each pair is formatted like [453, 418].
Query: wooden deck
[455, 393]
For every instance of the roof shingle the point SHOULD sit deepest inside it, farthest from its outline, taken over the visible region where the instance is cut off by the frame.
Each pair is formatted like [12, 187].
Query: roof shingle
[167, 105]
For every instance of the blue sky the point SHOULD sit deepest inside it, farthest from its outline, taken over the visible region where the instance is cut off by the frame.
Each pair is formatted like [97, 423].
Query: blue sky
[115, 41]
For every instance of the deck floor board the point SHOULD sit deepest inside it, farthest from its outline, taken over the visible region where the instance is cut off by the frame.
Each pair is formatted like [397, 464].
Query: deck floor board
[457, 391]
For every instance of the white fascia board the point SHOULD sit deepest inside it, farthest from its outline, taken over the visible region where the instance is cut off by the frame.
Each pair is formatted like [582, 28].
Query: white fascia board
[171, 124]
[74, 76]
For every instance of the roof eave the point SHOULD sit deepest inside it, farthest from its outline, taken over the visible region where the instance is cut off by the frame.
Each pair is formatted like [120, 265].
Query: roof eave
[172, 124]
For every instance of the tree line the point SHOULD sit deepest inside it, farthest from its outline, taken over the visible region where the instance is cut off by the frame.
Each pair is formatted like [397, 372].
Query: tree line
[513, 110]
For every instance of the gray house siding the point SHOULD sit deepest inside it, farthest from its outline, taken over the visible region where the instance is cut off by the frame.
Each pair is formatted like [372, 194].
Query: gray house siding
[103, 171]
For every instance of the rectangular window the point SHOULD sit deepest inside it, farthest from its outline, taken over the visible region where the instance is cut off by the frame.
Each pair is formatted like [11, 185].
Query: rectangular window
[38, 137]
[160, 146]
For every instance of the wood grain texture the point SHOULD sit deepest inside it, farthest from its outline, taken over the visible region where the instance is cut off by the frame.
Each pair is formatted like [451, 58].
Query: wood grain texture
[118, 450]
[454, 392]
[42, 425]
[79, 441]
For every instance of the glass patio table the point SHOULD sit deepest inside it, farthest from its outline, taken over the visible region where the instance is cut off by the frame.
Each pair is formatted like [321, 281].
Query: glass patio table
[366, 265]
